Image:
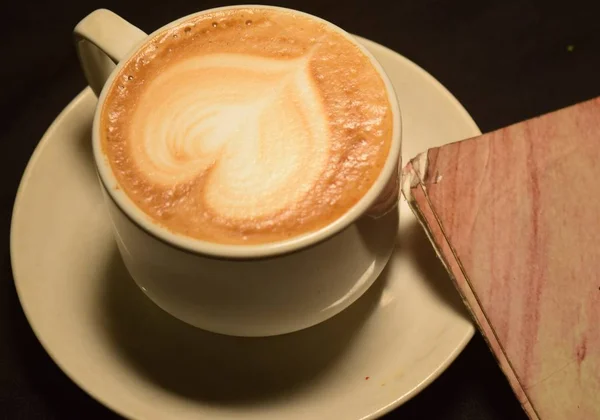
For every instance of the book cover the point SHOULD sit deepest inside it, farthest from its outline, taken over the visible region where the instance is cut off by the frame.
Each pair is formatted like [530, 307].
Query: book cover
[514, 215]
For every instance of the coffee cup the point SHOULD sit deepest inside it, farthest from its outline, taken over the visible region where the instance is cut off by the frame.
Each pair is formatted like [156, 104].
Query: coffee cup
[265, 273]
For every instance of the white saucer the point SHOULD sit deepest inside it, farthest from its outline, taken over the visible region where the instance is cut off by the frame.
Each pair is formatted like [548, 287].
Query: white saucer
[124, 351]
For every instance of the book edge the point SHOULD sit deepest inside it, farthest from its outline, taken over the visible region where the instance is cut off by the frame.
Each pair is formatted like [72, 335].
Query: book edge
[414, 189]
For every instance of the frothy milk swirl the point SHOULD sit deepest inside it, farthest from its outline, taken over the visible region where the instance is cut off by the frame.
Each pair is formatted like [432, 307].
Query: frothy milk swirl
[248, 125]
[255, 124]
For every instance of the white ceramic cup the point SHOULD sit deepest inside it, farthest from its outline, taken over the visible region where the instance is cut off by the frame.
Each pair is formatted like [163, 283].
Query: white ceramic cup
[244, 290]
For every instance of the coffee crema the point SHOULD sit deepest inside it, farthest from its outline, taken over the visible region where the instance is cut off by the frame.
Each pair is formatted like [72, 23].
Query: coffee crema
[246, 126]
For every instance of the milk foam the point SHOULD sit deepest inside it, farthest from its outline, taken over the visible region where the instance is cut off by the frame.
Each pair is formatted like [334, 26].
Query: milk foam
[248, 125]
[256, 125]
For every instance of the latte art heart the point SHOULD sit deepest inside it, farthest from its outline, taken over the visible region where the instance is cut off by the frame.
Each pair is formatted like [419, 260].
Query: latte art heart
[247, 126]
[257, 131]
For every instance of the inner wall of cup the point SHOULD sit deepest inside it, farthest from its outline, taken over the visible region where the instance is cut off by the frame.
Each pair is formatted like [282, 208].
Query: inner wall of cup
[138, 217]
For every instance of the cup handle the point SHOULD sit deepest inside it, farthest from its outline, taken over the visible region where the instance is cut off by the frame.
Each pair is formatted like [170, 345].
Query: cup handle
[102, 39]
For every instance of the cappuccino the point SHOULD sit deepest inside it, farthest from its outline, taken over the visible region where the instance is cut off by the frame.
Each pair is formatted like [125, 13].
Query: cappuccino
[247, 126]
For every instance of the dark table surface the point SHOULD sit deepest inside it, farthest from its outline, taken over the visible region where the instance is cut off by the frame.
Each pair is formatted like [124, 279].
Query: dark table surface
[504, 60]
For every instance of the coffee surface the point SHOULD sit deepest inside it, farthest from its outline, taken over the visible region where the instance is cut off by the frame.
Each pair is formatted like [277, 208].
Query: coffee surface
[248, 125]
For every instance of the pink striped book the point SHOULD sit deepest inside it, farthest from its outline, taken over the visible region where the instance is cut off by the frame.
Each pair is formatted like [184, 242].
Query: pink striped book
[515, 217]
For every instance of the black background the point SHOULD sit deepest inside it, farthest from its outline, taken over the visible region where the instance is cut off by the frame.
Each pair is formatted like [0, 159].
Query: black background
[504, 60]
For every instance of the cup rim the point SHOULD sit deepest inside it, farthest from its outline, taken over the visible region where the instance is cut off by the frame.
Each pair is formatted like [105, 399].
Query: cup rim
[242, 251]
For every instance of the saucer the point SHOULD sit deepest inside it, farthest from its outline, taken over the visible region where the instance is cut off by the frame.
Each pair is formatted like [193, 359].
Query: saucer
[130, 355]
